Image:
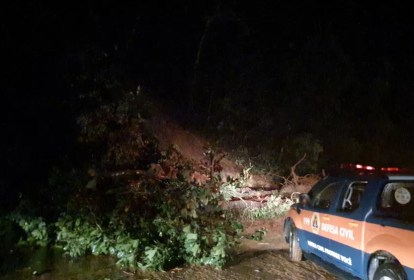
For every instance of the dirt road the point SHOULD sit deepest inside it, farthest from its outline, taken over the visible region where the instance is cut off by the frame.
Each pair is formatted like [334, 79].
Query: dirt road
[265, 259]
[253, 265]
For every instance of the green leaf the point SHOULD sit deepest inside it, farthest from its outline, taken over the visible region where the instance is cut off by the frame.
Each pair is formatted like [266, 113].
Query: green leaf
[192, 236]
[150, 253]
[187, 229]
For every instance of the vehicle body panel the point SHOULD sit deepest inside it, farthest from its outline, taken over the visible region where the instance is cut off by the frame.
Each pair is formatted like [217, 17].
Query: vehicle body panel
[349, 240]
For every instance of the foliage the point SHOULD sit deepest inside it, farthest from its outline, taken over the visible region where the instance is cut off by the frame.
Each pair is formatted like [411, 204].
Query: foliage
[128, 209]
[231, 188]
[35, 228]
[79, 237]
[142, 220]
[197, 223]
[190, 228]
[275, 206]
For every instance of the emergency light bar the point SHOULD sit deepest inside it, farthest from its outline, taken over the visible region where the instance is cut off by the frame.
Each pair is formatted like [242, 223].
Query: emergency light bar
[368, 169]
[351, 166]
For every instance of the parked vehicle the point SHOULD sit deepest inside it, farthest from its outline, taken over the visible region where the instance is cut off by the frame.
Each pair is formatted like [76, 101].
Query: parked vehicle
[360, 219]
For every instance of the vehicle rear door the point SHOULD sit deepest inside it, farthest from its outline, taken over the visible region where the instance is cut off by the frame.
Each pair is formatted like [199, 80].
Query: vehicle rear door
[391, 227]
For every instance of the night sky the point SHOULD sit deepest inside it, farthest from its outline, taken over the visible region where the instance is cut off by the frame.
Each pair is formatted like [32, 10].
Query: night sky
[340, 70]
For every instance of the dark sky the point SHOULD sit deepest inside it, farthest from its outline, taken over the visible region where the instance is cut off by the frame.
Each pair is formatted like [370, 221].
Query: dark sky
[306, 49]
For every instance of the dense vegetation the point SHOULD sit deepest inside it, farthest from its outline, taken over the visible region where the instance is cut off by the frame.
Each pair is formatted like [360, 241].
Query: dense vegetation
[131, 200]
[123, 206]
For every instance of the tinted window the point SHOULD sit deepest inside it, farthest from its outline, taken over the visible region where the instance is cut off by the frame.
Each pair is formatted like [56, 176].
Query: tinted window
[353, 196]
[324, 198]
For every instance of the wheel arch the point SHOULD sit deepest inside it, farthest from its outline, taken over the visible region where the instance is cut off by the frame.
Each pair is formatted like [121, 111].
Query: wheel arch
[378, 258]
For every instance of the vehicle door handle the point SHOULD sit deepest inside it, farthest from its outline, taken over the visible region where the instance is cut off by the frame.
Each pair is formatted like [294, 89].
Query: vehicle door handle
[353, 224]
[326, 218]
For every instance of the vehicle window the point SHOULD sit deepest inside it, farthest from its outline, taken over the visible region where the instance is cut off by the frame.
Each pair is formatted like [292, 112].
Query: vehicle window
[353, 196]
[323, 199]
[397, 200]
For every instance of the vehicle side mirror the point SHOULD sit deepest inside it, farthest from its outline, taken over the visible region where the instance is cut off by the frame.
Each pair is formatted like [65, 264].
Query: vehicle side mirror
[298, 208]
[304, 199]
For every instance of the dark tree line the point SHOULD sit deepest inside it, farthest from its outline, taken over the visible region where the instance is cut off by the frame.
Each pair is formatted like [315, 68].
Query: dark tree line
[257, 76]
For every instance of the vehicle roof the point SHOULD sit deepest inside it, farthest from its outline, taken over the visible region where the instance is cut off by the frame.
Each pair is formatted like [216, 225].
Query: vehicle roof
[373, 176]
[401, 177]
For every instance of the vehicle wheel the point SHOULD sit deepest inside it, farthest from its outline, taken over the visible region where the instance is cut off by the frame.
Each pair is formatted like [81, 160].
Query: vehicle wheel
[295, 252]
[389, 271]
